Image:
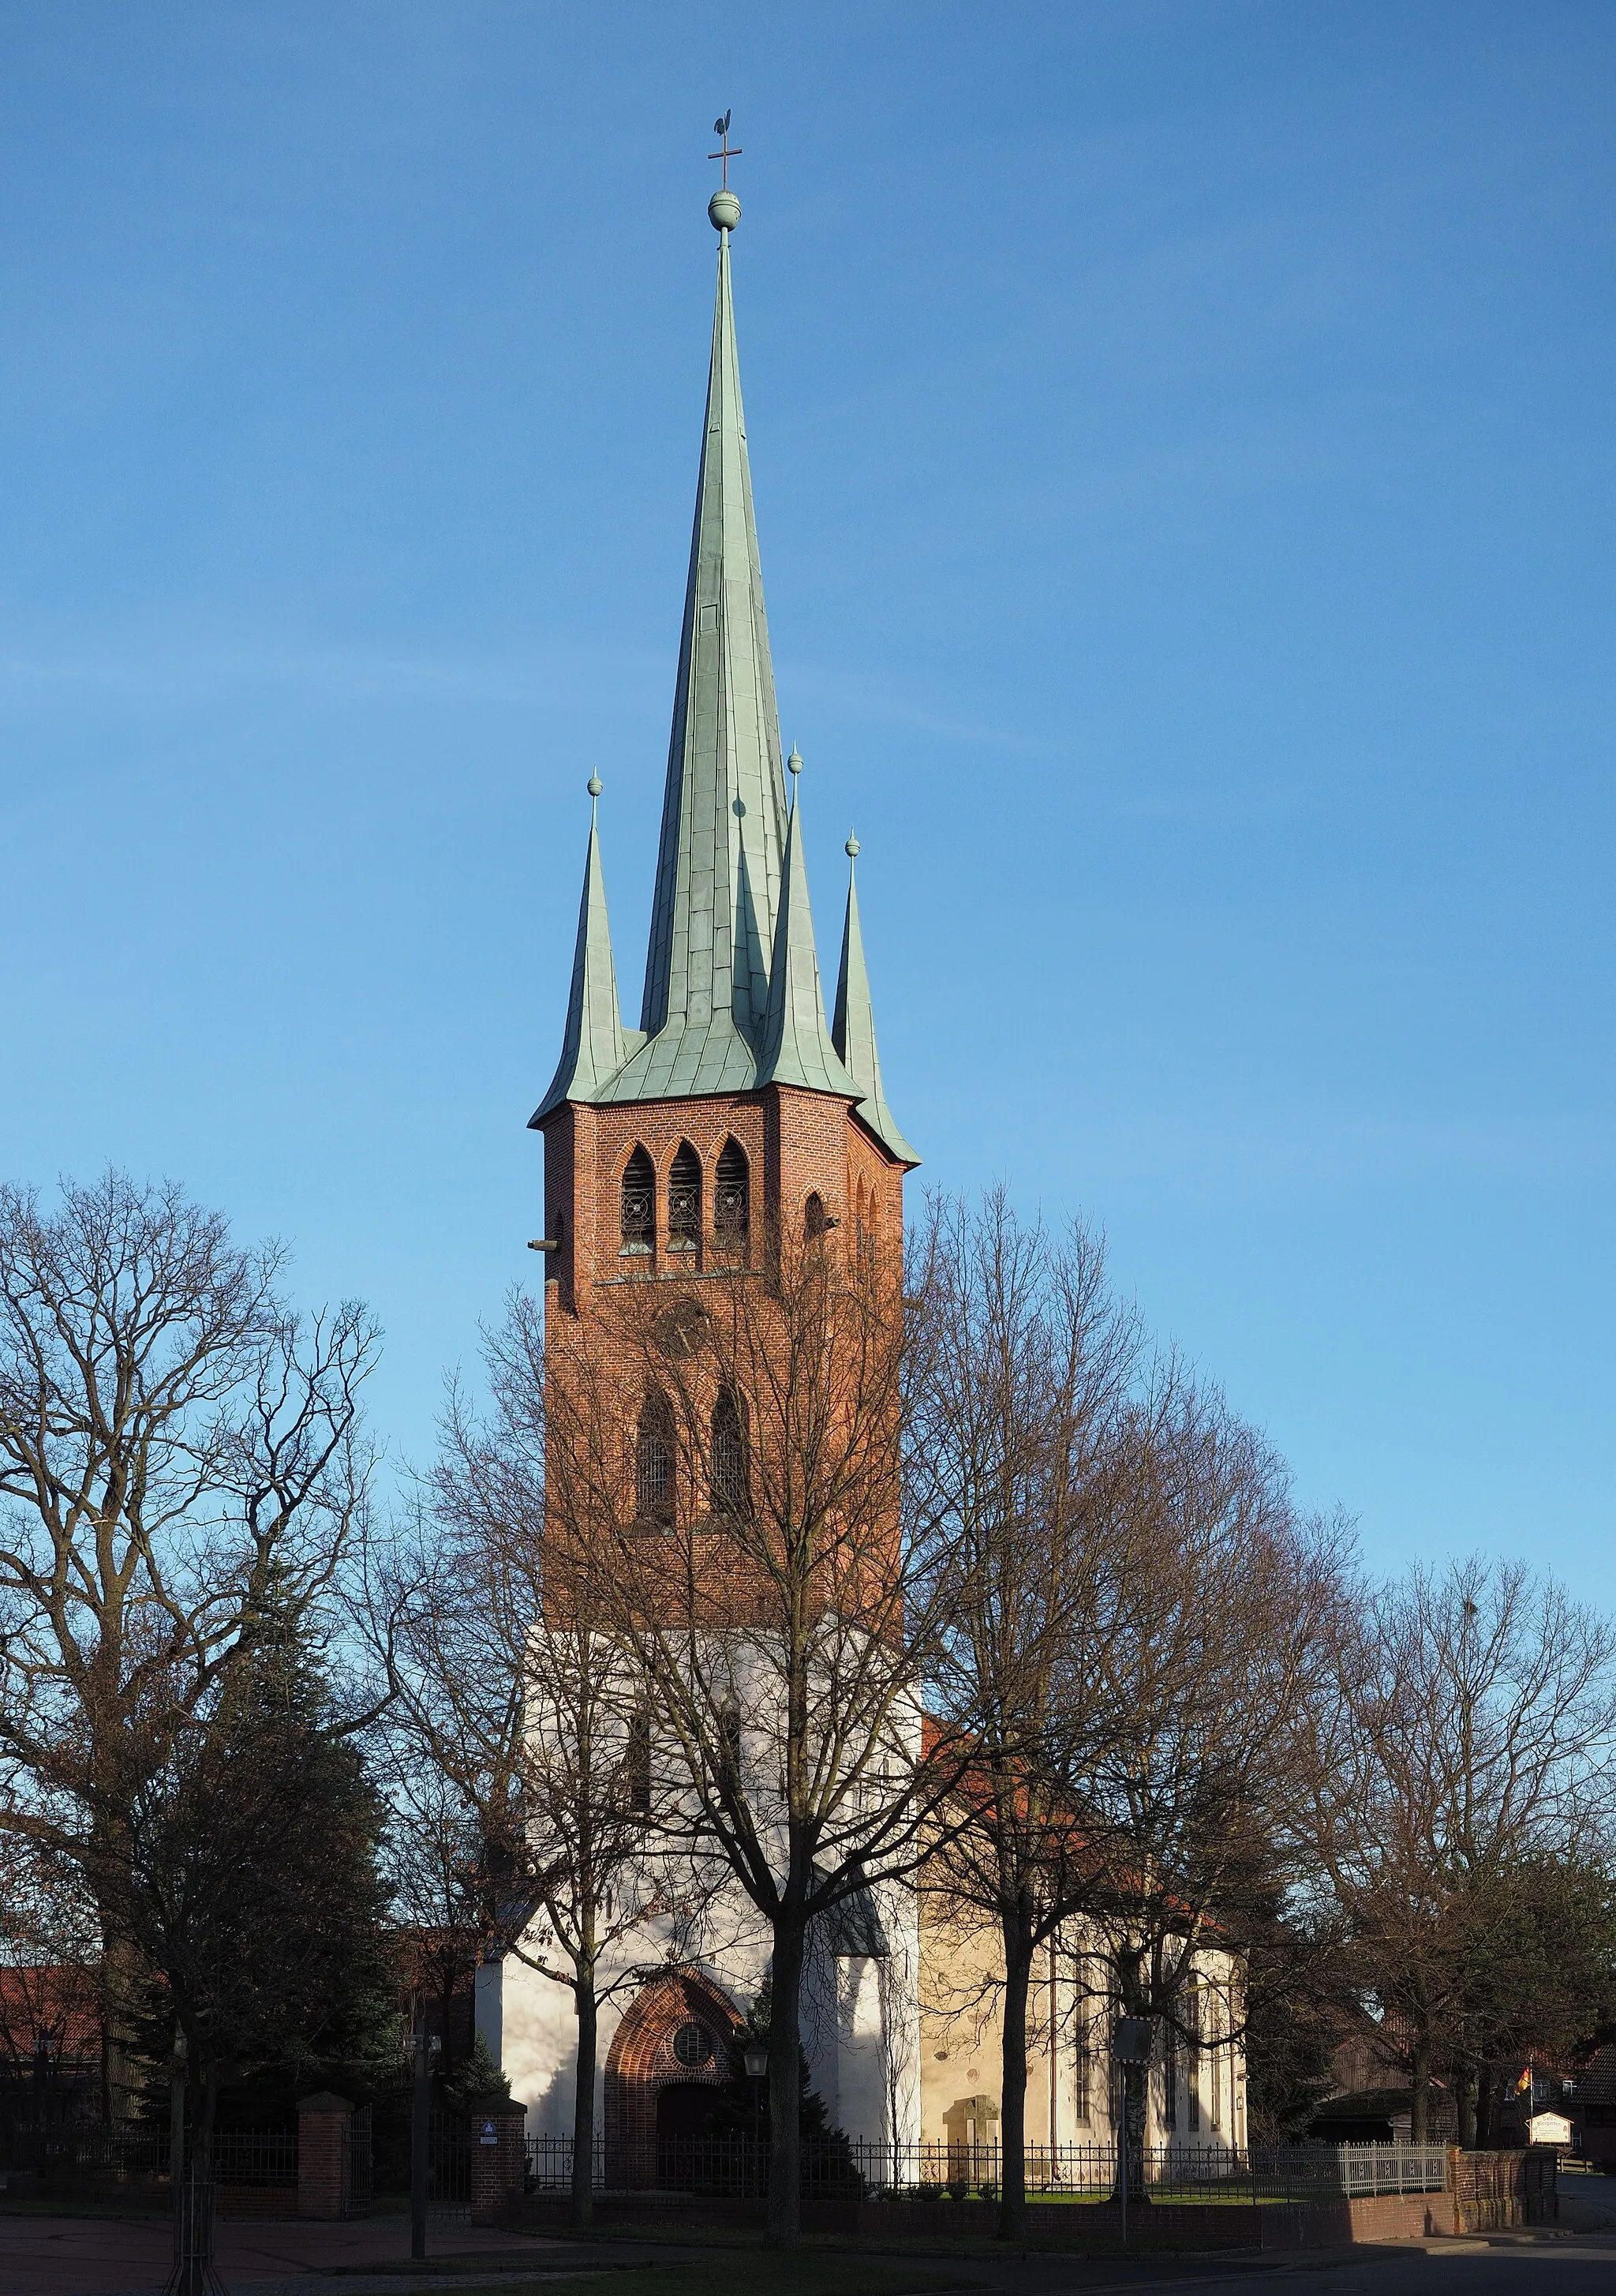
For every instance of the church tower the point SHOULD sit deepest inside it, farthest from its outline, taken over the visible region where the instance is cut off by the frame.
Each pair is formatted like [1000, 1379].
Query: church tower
[741, 1127]
[736, 1109]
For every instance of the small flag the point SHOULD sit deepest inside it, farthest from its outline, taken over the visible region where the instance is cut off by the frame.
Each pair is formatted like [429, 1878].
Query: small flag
[1523, 2086]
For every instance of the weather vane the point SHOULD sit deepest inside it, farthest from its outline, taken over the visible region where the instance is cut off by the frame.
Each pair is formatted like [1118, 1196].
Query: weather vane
[720, 128]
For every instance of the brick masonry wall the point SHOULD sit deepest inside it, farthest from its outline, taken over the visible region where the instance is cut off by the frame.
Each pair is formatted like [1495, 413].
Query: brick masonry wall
[797, 1143]
[323, 2130]
[499, 2169]
[1496, 2190]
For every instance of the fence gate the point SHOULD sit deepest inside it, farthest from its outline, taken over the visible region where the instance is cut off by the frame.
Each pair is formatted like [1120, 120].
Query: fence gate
[358, 2165]
[449, 2186]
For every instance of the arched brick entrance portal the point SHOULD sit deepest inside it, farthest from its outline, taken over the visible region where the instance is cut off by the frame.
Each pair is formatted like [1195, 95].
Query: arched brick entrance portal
[667, 2056]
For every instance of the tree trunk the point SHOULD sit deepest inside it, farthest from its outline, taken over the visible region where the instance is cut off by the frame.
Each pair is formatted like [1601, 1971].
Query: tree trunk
[1419, 2116]
[1017, 1926]
[1464, 2098]
[785, 2053]
[1487, 2090]
[584, 2105]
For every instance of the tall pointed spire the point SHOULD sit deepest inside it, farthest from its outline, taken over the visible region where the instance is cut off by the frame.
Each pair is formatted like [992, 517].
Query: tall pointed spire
[795, 1047]
[596, 1044]
[732, 993]
[718, 867]
[853, 1029]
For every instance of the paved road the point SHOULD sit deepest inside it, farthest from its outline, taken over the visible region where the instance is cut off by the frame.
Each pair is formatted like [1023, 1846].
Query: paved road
[60, 2256]
[1585, 2266]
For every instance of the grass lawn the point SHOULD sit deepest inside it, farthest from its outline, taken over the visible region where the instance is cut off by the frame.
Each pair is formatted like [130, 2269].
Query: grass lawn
[756, 2272]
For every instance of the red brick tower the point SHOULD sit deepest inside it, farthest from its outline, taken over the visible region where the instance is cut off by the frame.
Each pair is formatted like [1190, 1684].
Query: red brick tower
[734, 1109]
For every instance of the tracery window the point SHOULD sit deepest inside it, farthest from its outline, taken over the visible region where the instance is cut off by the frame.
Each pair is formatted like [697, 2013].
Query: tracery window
[655, 1451]
[684, 1200]
[1192, 2057]
[728, 1750]
[1083, 2067]
[639, 1203]
[731, 1483]
[731, 1196]
[637, 1764]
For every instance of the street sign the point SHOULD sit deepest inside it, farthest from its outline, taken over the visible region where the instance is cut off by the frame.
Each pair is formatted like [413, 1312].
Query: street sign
[1130, 2041]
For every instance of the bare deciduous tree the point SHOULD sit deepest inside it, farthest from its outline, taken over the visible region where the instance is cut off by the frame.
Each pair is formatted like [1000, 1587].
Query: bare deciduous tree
[726, 1465]
[1025, 1393]
[517, 1755]
[1466, 1747]
[179, 1457]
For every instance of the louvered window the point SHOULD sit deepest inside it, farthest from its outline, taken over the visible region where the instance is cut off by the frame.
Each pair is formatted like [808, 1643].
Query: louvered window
[638, 1202]
[732, 1197]
[684, 1200]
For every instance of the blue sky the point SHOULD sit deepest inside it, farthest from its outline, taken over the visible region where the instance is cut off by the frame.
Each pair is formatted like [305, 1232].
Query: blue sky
[1183, 449]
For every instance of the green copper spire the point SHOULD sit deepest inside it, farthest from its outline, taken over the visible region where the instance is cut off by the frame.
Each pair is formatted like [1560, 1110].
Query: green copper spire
[853, 1029]
[718, 867]
[796, 1046]
[596, 1044]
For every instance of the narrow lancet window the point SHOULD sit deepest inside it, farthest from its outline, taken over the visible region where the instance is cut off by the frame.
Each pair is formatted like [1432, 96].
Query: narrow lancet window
[814, 1222]
[637, 1764]
[639, 1203]
[654, 1456]
[684, 1200]
[731, 1485]
[727, 1750]
[732, 1198]
[1192, 2057]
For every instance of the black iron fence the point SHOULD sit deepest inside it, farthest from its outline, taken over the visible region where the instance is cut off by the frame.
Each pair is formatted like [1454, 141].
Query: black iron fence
[358, 2165]
[836, 2169]
[449, 2168]
[261, 2159]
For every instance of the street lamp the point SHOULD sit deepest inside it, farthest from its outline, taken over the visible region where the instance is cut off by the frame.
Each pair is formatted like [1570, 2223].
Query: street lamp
[755, 2056]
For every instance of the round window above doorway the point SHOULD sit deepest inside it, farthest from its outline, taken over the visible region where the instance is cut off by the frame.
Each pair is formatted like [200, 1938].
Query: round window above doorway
[693, 2045]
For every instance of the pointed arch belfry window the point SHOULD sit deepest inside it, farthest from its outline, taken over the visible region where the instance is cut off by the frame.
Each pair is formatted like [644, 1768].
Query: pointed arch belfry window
[656, 1451]
[731, 1472]
[684, 1200]
[732, 1197]
[639, 1203]
[814, 1220]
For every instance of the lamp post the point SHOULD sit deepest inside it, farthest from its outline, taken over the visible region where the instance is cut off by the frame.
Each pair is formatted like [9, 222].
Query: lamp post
[755, 2058]
[1131, 2046]
[424, 2046]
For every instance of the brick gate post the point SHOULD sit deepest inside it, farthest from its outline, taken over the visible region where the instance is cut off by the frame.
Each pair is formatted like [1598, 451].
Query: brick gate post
[499, 2153]
[322, 2128]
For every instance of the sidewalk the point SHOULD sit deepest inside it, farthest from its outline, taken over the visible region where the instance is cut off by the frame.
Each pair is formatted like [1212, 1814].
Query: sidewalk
[86, 2256]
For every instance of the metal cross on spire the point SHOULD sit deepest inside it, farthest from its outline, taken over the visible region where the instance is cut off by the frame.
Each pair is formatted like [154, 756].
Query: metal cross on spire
[720, 128]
